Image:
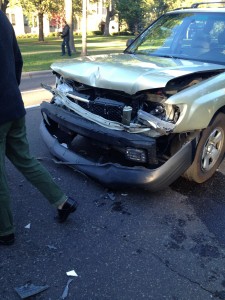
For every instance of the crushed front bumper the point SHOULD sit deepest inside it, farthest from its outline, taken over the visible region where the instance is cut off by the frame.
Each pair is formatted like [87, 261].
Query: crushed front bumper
[114, 175]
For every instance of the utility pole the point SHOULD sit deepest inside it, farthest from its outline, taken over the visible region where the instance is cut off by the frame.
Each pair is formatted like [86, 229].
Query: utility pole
[84, 28]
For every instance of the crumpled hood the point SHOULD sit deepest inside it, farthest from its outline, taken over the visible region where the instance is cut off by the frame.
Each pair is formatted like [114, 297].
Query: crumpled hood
[128, 72]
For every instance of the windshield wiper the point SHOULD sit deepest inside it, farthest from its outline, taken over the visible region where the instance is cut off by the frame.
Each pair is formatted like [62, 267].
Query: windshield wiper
[168, 56]
[129, 52]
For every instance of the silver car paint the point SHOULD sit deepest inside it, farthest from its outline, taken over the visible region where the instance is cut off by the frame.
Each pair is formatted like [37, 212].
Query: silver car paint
[134, 73]
[126, 72]
[200, 102]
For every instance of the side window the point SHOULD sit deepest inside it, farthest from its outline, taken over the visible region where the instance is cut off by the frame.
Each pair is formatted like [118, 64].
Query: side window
[217, 34]
[205, 39]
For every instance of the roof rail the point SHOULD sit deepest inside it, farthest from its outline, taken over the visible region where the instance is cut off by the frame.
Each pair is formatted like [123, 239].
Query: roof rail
[196, 5]
[179, 8]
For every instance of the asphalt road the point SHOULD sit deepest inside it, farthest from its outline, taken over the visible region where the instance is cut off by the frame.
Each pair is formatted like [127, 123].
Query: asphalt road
[123, 245]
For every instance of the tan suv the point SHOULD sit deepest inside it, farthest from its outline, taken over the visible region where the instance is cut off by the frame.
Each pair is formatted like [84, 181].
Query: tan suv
[148, 115]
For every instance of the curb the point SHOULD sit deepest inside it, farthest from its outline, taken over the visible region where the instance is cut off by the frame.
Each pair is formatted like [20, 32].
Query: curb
[36, 73]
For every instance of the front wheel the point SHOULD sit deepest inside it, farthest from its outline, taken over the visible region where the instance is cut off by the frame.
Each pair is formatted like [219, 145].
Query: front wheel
[210, 151]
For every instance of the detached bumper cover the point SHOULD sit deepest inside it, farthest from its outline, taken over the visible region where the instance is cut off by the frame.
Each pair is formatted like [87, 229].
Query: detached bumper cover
[117, 176]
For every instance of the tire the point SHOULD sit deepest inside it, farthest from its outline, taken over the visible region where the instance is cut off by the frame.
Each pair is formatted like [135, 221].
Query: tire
[209, 152]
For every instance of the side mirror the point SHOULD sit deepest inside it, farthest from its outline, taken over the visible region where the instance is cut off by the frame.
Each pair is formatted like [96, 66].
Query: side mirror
[130, 41]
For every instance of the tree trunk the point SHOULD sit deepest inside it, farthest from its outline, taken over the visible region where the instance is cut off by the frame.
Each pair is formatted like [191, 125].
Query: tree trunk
[135, 29]
[69, 20]
[84, 28]
[107, 20]
[41, 27]
[3, 5]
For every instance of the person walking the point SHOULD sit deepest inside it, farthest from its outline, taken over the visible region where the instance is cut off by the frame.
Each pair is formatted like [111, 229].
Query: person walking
[66, 39]
[13, 140]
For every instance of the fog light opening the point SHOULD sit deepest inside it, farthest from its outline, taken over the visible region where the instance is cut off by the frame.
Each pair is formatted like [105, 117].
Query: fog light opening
[45, 118]
[136, 155]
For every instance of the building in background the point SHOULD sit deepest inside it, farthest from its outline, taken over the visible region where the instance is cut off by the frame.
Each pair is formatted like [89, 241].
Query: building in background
[96, 16]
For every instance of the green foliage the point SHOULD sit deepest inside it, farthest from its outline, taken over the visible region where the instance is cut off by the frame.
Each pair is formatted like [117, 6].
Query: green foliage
[54, 34]
[122, 33]
[97, 32]
[77, 7]
[34, 7]
[133, 12]
[27, 36]
[41, 6]
[139, 13]
[162, 6]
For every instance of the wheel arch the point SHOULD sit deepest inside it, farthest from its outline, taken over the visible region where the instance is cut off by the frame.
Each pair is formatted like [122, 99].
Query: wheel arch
[215, 150]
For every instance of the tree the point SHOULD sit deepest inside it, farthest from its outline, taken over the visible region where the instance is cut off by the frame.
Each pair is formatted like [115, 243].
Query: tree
[139, 13]
[84, 28]
[161, 6]
[40, 7]
[69, 20]
[110, 13]
[133, 12]
[3, 5]
[77, 7]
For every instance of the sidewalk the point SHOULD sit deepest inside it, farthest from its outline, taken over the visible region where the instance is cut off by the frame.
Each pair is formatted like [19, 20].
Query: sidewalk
[32, 92]
[36, 73]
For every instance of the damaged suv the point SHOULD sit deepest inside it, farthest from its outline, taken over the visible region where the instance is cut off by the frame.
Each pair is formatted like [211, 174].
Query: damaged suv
[148, 115]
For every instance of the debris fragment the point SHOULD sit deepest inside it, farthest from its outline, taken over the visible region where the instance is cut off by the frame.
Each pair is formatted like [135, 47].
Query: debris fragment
[71, 273]
[29, 290]
[51, 247]
[124, 195]
[64, 145]
[66, 290]
[111, 196]
[27, 226]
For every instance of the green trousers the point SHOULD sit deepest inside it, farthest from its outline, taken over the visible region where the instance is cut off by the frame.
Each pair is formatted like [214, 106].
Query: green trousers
[14, 145]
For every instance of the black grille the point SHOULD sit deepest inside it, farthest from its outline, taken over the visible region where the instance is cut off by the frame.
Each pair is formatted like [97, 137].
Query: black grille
[106, 108]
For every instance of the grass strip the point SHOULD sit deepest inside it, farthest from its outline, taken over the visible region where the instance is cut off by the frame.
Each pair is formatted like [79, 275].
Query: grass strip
[38, 56]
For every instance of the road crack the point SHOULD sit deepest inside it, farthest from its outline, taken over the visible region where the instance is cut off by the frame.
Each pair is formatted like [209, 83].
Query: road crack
[216, 294]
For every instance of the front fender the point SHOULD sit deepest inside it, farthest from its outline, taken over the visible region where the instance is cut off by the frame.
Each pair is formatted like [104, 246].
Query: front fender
[199, 103]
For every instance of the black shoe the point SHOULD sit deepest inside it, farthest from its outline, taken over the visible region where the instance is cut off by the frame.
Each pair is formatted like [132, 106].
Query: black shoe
[7, 240]
[63, 54]
[69, 207]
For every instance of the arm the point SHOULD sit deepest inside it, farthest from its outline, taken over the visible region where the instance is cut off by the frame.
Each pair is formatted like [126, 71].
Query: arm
[65, 31]
[18, 59]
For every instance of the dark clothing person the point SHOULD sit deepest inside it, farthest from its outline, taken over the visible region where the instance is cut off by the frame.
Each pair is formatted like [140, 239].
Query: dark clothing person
[66, 39]
[13, 140]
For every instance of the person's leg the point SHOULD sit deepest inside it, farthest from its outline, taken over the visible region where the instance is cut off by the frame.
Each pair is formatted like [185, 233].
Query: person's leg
[6, 218]
[63, 47]
[17, 150]
[68, 47]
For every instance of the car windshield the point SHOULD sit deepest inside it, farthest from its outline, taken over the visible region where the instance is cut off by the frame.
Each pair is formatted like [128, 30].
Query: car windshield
[186, 35]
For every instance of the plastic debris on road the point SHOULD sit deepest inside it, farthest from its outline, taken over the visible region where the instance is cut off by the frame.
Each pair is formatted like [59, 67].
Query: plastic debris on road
[27, 226]
[66, 290]
[71, 273]
[51, 247]
[111, 196]
[29, 290]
